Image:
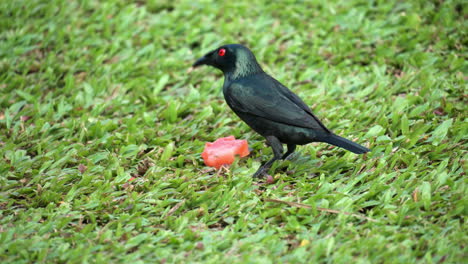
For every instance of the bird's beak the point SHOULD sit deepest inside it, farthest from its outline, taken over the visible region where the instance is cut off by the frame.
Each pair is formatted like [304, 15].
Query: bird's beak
[201, 61]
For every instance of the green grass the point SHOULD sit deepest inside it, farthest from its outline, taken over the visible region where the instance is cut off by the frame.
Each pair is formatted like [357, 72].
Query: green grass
[95, 92]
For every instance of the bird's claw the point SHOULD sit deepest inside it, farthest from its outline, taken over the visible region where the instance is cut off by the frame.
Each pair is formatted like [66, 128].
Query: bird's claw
[260, 173]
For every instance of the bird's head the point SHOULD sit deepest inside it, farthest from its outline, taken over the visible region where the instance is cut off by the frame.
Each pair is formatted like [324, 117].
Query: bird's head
[234, 60]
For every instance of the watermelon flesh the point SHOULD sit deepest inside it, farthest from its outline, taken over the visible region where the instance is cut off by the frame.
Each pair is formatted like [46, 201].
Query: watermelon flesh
[224, 151]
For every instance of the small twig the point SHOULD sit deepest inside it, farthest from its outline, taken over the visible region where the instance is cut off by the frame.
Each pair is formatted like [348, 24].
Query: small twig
[173, 209]
[302, 82]
[223, 168]
[299, 205]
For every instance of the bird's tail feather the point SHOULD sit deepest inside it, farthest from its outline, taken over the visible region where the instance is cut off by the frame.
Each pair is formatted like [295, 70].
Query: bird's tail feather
[346, 144]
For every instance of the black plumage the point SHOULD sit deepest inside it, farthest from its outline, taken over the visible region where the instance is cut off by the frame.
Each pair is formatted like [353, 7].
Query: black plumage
[267, 106]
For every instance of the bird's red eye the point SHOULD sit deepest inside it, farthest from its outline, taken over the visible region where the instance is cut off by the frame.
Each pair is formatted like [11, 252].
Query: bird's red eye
[221, 52]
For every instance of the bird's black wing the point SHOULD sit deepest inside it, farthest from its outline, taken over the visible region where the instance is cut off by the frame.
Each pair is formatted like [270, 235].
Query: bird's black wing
[263, 96]
[298, 101]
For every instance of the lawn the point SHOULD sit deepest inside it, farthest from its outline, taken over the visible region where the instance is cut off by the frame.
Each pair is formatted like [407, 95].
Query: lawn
[96, 93]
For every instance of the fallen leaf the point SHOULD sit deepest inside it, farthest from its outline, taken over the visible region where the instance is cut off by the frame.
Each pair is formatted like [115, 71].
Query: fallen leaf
[25, 118]
[415, 195]
[270, 179]
[439, 111]
[82, 168]
[200, 246]
[304, 243]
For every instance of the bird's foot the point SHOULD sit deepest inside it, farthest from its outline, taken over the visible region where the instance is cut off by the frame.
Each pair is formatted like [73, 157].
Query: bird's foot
[260, 173]
[287, 156]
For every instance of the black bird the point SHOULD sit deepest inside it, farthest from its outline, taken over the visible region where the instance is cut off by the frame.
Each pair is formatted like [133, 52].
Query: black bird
[267, 106]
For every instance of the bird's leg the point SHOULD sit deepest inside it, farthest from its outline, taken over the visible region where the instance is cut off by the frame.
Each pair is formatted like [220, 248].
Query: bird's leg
[277, 152]
[291, 149]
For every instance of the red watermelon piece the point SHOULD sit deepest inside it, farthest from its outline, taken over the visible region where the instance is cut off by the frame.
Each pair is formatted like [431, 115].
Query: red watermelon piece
[224, 151]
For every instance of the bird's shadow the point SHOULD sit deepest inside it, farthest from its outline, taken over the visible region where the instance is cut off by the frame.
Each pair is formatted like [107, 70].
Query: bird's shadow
[297, 163]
